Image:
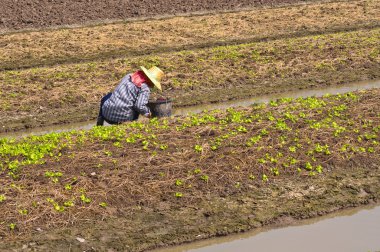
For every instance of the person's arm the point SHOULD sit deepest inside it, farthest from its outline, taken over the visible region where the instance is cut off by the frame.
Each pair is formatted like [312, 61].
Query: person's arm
[142, 101]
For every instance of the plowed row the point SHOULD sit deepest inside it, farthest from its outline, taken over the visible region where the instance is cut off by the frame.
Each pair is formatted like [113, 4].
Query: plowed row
[48, 47]
[81, 178]
[35, 13]
[71, 92]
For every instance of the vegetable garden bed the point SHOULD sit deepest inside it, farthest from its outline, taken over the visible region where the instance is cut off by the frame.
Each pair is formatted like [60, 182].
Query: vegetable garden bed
[128, 39]
[71, 92]
[199, 176]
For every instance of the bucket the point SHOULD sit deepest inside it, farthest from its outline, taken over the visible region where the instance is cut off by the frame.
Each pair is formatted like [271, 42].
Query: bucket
[160, 107]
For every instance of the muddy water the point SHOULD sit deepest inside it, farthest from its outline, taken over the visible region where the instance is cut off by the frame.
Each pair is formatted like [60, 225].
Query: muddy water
[349, 230]
[318, 92]
[363, 85]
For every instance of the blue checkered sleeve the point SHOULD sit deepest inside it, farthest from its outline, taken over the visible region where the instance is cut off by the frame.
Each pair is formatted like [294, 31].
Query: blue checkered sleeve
[142, 100]
[126, 101]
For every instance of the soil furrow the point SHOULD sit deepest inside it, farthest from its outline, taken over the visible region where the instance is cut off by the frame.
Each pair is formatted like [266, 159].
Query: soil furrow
[33, 49]
[35, 13]
[130, 187]
[67, 93]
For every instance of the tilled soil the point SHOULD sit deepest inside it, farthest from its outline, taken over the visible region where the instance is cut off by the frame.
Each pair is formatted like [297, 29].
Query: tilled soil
[71, 92]
[35, 14]
[280, 205]
[147, 184]
[128, 39]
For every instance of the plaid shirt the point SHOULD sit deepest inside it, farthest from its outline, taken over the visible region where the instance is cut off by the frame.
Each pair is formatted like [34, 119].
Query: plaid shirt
[127, 101]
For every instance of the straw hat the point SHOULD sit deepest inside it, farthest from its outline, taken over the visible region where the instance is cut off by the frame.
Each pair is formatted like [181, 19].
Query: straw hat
[154, 74]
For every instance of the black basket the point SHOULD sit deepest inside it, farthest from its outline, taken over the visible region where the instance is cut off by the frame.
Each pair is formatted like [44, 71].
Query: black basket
[160, 108]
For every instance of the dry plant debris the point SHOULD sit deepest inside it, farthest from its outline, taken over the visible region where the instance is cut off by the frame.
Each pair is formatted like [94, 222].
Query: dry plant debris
[63, 179]
[36, 96]
[49, 47]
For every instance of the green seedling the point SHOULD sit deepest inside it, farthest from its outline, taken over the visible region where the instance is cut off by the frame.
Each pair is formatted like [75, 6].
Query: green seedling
[198, 148]
[178, 182]
[205, 178]
[178, 194]
[85, 199]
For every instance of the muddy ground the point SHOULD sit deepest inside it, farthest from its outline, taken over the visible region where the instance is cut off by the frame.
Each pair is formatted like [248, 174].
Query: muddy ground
[282, 203]
[35, 14]
[162, 182]
[71, 92]
[149, 189]
[66, 71]
[51, 47]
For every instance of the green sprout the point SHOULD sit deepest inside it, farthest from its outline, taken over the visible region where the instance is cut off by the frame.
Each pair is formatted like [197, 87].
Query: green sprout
[84, 198]
[308, 166]
[198, 148]
[264, 178]
[205, 178]
[12, 226]
[68, 203]
[178, 194]
[197, 171]
[163, 146]
[68, 187]
[23, 211]
[54, 176]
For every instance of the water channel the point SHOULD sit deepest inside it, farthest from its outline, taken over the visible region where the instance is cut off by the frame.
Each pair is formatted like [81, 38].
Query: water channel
[317, 92]
[353, 230]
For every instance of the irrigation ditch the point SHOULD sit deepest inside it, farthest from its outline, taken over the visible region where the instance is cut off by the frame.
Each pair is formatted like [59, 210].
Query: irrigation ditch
[333, 229]
[190, 110]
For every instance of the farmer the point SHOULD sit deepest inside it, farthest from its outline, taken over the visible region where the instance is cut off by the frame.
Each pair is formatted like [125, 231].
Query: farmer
[130, 98]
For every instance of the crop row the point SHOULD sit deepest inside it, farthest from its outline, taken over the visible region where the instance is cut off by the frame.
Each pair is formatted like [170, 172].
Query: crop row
[30, 49]
[62, 178]
[193, 75]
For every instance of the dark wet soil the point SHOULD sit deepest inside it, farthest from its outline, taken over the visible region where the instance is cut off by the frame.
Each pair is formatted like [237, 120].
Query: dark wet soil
[26, 14]
[284, 202]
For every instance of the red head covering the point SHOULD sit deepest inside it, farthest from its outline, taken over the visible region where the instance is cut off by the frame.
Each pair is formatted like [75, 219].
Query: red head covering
[139, 78]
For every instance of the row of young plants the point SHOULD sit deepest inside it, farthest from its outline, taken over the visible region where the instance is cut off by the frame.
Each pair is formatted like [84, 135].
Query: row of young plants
[313, 60]
[31, 49]
[62, 178]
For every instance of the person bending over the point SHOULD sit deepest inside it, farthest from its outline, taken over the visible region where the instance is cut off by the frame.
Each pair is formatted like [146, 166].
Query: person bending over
[130, 97]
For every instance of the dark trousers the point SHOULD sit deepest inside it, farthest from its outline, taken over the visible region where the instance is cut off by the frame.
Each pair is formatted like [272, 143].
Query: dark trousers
[101, 119]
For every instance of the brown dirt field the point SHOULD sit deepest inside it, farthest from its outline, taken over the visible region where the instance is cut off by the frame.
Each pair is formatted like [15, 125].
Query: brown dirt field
[138, 169]
[31, 49]
[145, 228]
[35, 13]
[71, 92]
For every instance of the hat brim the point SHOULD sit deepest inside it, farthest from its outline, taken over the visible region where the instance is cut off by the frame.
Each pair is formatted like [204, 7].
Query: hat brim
[155, 82]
